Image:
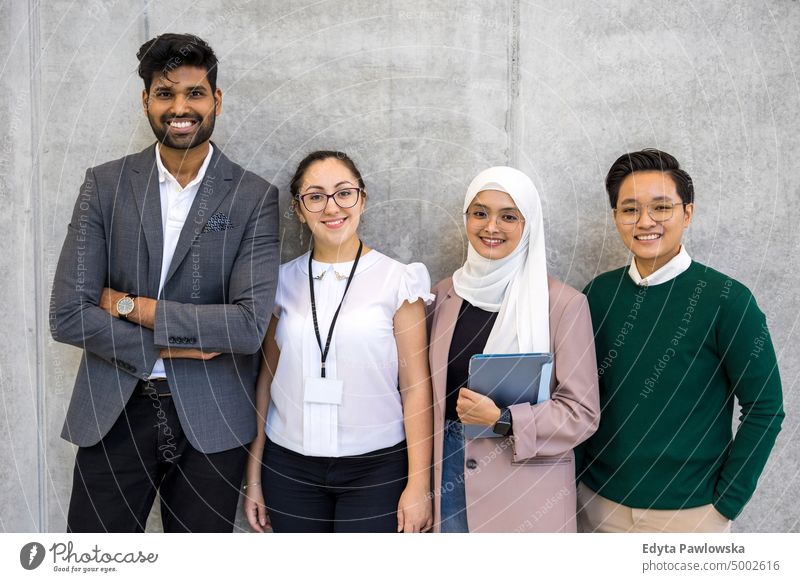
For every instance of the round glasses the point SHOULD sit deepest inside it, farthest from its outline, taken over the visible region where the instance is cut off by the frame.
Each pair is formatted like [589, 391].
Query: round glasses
[658, 211]
[317, 201]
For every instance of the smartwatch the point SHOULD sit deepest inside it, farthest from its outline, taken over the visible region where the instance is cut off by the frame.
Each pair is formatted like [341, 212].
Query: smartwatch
[503, 424]
[125, 306]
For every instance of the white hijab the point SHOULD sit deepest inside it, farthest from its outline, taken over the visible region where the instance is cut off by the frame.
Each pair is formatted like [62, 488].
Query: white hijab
[516, 285]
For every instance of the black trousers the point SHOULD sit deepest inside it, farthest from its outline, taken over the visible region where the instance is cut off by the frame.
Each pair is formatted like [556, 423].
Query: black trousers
[333, 494]
[115, 481]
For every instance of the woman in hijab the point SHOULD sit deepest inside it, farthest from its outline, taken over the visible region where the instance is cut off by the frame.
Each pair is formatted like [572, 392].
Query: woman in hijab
[502, 301]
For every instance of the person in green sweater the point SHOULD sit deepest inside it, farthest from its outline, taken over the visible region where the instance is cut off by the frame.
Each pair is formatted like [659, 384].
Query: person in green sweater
[676, 341]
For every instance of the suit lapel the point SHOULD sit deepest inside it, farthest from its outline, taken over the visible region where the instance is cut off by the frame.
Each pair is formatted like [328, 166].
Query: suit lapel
[441, 337]
[212, 192]
[146, 192]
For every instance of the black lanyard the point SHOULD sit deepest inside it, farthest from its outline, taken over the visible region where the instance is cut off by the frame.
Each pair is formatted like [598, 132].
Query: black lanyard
[324, 352]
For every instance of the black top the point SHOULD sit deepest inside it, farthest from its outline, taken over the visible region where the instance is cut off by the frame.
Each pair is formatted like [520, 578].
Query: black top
[472, 330]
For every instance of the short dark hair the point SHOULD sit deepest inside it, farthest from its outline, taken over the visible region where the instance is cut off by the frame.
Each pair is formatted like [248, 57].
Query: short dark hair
[167, 52]
[318, 156]
[648, 160]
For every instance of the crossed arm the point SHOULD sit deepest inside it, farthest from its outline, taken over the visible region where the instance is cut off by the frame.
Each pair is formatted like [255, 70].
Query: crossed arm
[83, 308]
[76, 317]
[144, 314]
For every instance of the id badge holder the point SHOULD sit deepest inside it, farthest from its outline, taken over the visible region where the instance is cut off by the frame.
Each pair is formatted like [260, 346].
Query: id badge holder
[322, 391]
[321, 400]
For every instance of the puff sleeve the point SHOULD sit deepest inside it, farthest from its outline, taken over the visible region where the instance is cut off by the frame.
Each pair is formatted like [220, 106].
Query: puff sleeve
[415, 283]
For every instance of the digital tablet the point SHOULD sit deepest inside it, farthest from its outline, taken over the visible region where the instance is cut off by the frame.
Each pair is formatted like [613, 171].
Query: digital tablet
[508, 379]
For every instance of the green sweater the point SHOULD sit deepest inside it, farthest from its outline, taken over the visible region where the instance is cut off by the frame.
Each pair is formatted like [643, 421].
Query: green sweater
[670, 359]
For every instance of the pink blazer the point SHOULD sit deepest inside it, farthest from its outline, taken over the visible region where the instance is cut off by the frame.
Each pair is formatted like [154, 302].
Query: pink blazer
[524, 483]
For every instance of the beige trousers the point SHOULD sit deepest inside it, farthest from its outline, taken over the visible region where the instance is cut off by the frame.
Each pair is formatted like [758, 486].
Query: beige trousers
[598, 514]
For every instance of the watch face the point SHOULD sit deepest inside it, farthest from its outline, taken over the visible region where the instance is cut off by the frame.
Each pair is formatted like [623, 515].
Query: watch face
[125, 306]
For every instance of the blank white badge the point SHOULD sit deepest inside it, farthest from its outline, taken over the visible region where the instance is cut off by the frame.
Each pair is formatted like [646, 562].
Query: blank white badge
[323, 391]
[321, 400]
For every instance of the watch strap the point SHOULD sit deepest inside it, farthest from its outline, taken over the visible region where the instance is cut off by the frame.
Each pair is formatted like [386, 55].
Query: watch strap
[503, 424]
[133, 297]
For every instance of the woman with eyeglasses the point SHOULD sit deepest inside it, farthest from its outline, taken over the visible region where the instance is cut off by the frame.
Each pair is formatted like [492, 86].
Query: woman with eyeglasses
[346, 445]
[502, 301]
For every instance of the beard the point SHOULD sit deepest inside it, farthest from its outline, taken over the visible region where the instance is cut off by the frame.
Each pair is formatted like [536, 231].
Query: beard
[202, 133]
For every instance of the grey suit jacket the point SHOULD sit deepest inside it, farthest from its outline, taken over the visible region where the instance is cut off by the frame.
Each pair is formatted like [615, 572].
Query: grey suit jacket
[217, 296]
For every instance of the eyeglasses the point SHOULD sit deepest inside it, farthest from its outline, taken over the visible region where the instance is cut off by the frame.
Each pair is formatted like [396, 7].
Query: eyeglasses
[658, 211]
[507, 220]
[317, 201]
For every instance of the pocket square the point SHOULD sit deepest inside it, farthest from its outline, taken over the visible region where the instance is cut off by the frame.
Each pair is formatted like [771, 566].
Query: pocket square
[217, 223]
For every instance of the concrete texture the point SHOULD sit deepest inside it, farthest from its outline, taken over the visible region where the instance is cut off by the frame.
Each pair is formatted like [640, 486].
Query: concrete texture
[22, 291]
[423, 95]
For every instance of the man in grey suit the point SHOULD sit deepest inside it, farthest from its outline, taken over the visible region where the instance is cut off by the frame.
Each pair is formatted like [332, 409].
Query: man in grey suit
[166, 280]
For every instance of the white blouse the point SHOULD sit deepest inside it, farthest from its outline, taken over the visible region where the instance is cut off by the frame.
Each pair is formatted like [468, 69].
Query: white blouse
[363, 352]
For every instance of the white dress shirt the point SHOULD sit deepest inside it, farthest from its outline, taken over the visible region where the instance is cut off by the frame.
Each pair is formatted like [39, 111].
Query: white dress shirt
[363, 351]
[176, 202]
[676, 265]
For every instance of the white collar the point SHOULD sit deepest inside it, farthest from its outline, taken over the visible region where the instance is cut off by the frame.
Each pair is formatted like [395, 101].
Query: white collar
[366, 261]
[164, 173]
[677, 265]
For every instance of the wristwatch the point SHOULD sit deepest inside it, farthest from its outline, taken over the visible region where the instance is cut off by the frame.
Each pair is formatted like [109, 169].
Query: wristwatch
[503, 424]
[126, 305]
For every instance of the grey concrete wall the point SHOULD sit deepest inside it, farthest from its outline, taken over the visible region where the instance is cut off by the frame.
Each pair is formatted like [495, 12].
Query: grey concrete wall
[423, 95]
[21, 292]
